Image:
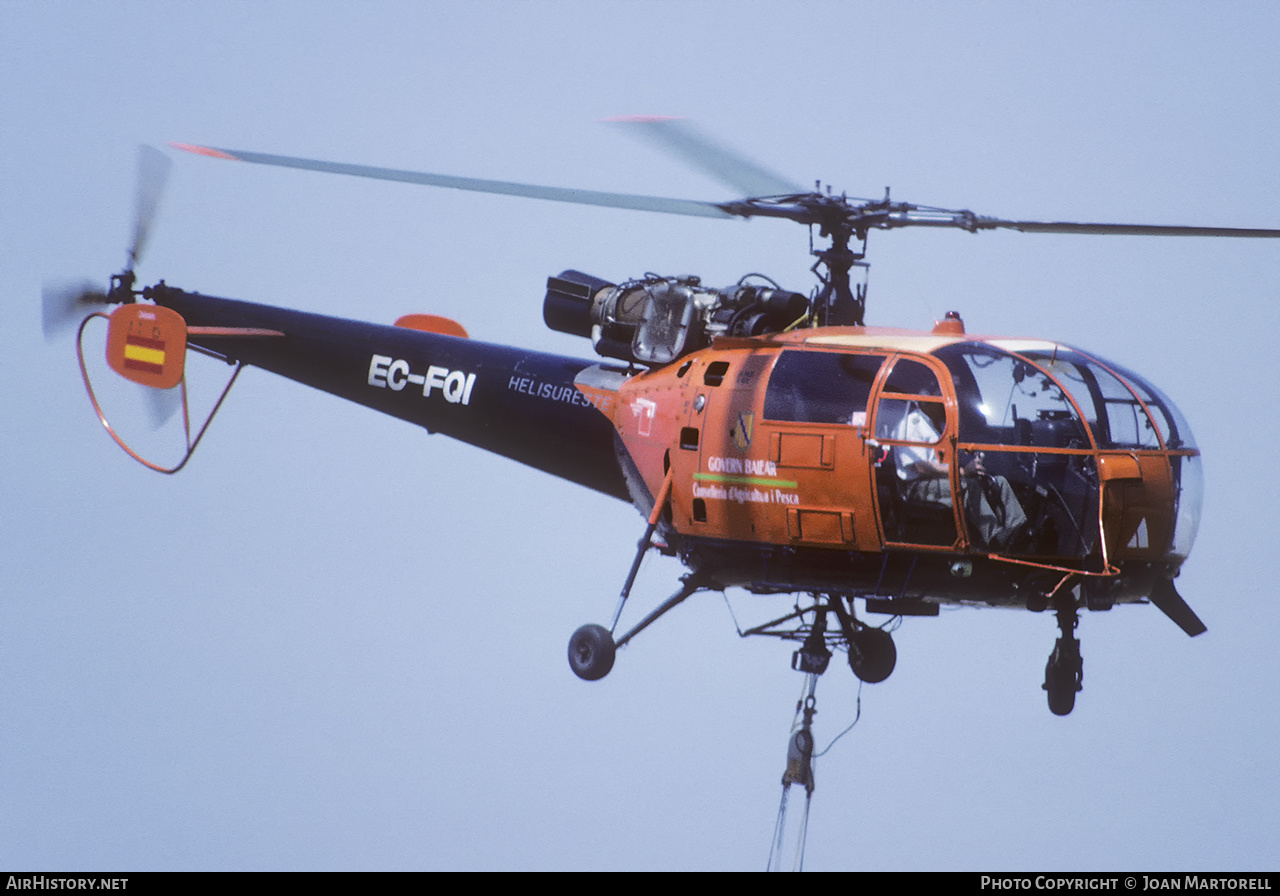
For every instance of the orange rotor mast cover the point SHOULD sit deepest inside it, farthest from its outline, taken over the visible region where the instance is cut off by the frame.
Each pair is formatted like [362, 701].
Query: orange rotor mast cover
[147, 344]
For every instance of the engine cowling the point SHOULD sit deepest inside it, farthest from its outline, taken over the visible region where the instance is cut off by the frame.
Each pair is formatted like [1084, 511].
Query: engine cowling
[655, 320]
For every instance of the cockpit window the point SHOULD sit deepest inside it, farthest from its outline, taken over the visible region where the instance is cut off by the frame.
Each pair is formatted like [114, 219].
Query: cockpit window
[1114, 406]
[1108, 405]
[1004, 400]
[820, 387]
[1172, 425]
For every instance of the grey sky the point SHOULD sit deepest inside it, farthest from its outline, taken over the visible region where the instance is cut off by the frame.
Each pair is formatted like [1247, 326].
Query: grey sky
[334, 642]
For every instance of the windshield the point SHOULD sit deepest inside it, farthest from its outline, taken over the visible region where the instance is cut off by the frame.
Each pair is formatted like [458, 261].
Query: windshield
[1122, 409]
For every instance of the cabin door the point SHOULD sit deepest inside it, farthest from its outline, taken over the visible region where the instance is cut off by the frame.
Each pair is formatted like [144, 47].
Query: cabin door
[914, 471]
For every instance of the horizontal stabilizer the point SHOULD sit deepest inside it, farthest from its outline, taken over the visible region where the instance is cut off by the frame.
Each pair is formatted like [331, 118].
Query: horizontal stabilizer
[432, 323]
[1170, 602]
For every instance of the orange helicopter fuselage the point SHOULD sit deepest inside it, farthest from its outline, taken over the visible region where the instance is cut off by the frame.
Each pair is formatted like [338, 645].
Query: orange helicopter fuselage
[788, 452]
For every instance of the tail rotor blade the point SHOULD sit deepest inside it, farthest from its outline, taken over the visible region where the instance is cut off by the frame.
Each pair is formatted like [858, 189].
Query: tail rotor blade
[65, 303]
[162, 404]
[153, 174]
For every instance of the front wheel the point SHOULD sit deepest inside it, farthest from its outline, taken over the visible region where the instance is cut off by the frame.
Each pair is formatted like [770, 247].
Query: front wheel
[591, 652]
[1063, 676]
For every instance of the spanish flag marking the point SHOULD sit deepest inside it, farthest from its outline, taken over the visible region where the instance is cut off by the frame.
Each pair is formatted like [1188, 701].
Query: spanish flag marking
[141, 353]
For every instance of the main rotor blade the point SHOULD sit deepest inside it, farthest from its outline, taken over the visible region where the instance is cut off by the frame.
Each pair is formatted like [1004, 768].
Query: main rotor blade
[904, 215]
[153, 173]
[531, 191]
[748, 178]
[1123, 229]
[772, 196]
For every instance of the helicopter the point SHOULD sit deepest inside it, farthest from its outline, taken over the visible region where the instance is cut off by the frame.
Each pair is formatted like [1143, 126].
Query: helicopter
[771, 440]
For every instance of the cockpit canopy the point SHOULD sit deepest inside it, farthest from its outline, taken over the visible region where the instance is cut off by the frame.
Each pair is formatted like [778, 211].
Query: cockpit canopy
[1040, 395]
[1051, 423]
[1003, 398]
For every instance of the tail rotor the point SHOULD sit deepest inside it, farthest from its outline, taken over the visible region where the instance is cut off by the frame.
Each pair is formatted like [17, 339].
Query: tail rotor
[66, 303]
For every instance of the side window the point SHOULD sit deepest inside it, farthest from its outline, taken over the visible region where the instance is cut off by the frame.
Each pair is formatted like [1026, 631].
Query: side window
[913, 475]
[914, 418]
[821, 387]
[921, 422]
[912, 378]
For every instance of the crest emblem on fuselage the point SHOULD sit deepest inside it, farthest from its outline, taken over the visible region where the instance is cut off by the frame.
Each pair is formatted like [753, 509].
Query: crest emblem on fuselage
[742, 431]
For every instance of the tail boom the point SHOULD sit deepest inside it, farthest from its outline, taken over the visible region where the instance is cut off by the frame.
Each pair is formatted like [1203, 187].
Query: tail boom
[517, 403]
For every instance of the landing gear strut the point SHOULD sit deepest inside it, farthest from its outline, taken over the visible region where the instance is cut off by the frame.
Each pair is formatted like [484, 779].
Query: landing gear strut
[592, 648]
[1064, 673]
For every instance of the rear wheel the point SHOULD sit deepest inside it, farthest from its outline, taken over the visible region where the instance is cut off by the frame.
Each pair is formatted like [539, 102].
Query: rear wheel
[591, 652]
[872, 654]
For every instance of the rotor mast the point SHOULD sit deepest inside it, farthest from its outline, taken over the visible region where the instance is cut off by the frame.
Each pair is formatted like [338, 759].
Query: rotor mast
[838, 303]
